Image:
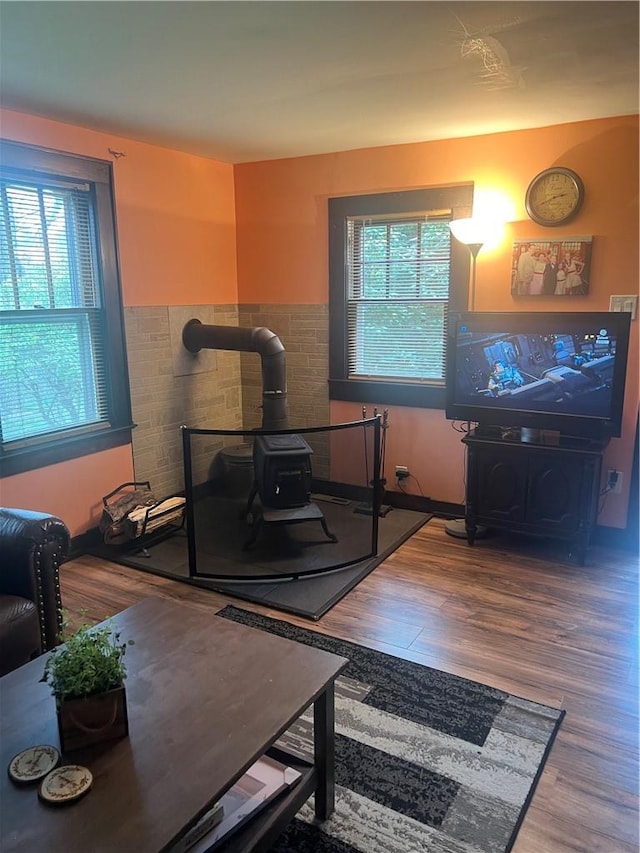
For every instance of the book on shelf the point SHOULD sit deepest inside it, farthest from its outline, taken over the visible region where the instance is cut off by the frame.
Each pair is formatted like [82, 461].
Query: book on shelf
[262, 782]
[205, 824]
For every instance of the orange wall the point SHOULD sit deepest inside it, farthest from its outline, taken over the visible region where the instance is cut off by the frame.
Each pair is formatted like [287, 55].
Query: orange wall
[281, 209]
[71, 490]
[176, 233]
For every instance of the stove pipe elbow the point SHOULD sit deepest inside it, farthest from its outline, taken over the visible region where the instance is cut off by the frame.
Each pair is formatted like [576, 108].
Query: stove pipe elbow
[197, 336]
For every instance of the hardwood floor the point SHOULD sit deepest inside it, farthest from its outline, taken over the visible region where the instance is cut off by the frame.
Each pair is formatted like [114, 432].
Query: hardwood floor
[510, 613]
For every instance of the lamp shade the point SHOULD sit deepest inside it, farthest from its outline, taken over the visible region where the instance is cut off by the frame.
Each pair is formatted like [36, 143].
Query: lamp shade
[472, 232]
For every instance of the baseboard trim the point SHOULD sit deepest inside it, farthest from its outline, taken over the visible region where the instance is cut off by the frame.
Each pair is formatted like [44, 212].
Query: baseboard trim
[621, 538]
[624, 539]
[420, 503]
[445, 509]
[84, 542]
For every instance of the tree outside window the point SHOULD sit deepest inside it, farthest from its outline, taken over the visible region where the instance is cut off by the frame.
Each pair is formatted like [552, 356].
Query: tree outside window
[394, 275]
[63, 386]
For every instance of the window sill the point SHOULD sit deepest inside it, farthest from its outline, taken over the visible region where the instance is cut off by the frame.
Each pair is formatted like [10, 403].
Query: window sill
[388, 393]
[33, 457]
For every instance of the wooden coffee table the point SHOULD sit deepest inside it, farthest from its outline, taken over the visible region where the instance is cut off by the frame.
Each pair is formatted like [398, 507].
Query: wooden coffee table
[206, 698]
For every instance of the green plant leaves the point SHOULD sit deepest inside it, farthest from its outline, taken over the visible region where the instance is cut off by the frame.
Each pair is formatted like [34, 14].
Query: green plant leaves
[91, 661]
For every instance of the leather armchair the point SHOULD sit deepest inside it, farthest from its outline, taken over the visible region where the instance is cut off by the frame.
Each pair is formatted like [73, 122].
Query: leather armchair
[32, 547]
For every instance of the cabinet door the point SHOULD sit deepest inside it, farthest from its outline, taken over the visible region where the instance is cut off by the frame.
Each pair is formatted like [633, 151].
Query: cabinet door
[501, 485]
[555, 491]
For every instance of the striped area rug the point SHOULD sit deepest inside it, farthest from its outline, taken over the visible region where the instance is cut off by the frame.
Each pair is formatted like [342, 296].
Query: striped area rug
[425, 761]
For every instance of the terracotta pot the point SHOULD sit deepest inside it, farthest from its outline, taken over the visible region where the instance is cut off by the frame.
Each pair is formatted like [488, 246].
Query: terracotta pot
[98, 718]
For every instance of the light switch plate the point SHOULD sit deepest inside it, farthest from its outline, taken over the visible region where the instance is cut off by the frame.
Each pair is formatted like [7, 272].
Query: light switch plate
[624, 303]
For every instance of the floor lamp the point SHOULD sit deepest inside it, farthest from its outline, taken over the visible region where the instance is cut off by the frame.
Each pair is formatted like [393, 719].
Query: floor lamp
[471, 232]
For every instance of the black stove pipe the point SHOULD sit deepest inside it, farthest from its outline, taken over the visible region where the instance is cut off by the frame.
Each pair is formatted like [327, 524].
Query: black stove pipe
[197, 336]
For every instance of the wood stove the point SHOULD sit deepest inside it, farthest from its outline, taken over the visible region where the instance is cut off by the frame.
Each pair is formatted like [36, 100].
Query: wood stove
[282, 469]
[282, 462]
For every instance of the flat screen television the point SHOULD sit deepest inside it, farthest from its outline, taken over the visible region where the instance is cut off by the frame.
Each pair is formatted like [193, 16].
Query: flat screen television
[556, 371]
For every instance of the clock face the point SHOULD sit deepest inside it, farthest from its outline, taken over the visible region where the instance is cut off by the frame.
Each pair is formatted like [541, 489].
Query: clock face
[554, 196]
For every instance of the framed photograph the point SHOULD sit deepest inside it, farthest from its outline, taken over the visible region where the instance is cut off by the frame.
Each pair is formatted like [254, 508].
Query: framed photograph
[551, 267]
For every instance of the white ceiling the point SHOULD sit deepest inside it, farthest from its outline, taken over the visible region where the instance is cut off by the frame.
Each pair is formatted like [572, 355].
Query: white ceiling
[243, 81]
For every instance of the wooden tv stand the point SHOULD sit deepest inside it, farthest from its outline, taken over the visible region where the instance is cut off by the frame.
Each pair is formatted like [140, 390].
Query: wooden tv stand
[534, 488]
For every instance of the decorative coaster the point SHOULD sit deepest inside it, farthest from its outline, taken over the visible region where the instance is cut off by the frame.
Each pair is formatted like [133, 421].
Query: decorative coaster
[33, 764]
[65, 784]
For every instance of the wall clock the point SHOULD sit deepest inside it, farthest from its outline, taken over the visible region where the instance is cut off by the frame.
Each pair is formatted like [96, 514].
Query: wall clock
[554, 196]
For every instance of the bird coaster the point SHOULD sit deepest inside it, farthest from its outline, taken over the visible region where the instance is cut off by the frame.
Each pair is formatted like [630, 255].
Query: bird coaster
[33, 764]
[60, 784]
[65, 784]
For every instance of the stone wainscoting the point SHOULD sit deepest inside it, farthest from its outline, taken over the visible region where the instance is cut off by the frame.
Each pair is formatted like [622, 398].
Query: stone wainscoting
[304, 332]
[209, 397]
[218, 389]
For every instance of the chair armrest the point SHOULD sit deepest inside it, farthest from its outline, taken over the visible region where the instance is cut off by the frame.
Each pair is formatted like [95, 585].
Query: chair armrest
[32, 547]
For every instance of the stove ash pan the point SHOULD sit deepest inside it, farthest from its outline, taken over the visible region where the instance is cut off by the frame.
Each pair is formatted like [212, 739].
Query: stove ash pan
[282, 467]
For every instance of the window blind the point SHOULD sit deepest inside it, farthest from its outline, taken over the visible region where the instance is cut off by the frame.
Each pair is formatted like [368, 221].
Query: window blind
[52, 346]
[398, 274]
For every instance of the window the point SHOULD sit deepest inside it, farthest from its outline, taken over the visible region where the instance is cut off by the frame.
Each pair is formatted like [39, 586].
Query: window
[64, 388]
[394, 273]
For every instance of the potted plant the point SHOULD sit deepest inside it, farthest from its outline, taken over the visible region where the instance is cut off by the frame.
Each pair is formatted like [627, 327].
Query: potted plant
[86, 675]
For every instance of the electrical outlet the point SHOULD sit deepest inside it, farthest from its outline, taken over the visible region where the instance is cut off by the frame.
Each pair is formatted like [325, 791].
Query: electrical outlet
[402, 472]
[614, 481]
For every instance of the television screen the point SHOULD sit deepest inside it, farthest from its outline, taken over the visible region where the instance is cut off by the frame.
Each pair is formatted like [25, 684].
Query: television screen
[556, 371]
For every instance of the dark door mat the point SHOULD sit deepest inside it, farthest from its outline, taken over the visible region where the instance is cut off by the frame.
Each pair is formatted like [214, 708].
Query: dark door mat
[309, 597]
